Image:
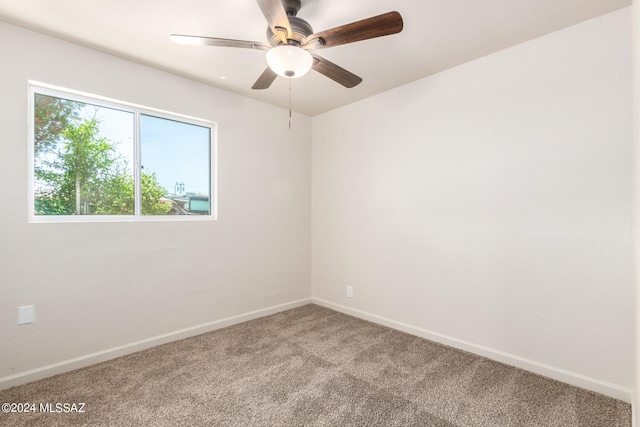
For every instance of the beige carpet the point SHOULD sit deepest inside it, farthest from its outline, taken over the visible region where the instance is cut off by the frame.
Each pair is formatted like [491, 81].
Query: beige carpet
[310, 366]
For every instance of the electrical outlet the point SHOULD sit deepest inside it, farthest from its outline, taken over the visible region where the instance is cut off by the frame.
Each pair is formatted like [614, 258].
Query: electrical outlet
[26, 314]
[350, 291]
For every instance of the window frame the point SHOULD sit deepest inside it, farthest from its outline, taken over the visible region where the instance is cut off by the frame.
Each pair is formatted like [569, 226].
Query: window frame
[137, 110]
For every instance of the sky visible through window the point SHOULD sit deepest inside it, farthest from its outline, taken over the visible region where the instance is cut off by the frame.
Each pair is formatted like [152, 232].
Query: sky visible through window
[177, 152]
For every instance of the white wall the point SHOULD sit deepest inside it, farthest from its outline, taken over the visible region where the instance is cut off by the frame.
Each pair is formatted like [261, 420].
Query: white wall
[636, 199]
[490, 206]
[100, 286]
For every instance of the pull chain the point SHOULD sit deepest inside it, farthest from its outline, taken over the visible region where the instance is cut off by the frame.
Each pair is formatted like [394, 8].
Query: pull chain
[289, 103]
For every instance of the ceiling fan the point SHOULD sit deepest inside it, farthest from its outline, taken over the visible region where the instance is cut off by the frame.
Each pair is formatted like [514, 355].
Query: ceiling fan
[291, 39]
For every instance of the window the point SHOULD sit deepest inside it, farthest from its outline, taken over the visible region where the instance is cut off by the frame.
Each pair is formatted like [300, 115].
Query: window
[98, 159]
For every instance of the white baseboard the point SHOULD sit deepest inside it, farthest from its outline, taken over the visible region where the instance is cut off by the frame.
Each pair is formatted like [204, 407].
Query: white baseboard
[635, 417]
[112, 353]
[558, 374]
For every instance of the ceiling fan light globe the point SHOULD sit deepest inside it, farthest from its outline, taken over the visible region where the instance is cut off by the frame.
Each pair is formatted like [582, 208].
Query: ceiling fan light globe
[289, 61]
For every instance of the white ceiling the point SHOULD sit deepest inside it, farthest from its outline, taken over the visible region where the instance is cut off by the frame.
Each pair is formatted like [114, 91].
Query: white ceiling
[438, 34]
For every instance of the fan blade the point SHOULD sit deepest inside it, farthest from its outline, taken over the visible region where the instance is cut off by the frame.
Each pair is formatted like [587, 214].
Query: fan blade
[335, 72]
[265, 79]
[377, 26]
[276, 16]
[213, 41]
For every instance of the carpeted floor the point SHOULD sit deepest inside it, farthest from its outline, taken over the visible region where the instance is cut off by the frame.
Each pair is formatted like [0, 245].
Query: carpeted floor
[310, 366]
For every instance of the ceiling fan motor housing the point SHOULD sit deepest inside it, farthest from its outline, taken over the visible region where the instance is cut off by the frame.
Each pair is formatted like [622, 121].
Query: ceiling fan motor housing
[301, 30]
